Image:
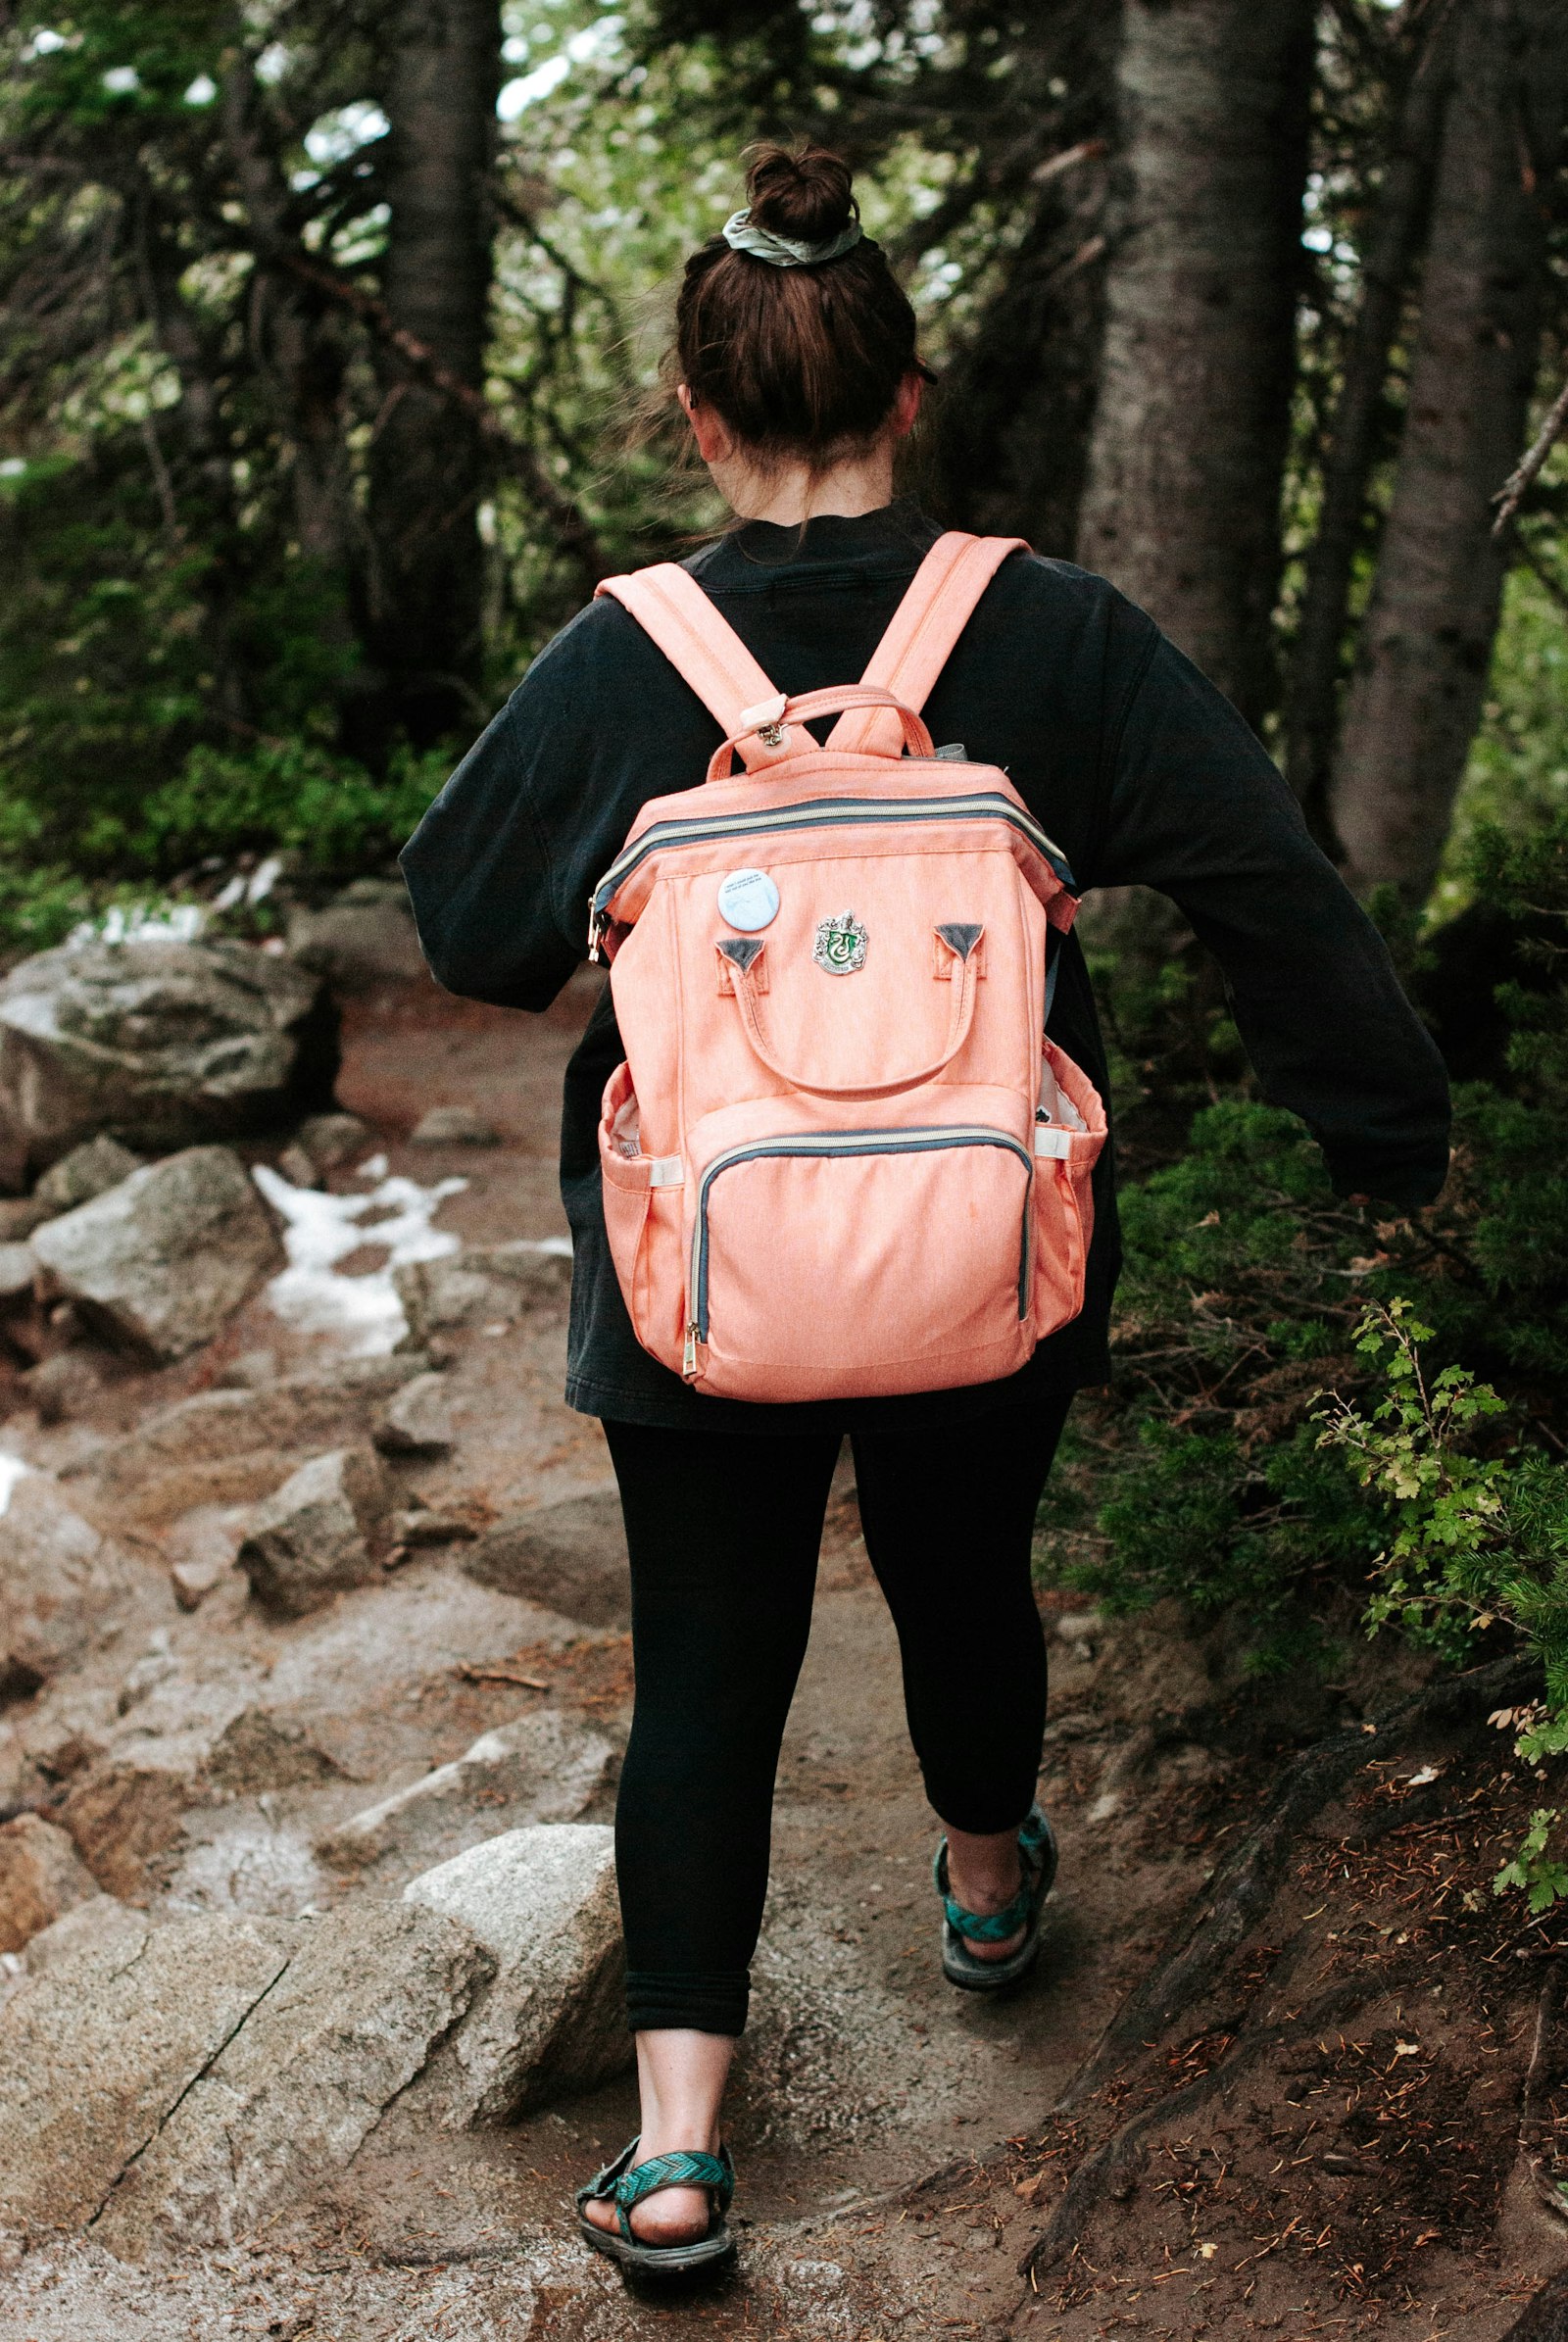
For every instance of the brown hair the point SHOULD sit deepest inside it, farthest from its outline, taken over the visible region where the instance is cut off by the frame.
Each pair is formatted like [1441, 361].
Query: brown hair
[804, 361]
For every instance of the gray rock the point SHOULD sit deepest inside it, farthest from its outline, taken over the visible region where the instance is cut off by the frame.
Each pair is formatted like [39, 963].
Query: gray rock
[257, 1754]
[164, 1258]
[104, 2040]
[332, 1139]
[482, 1285]
[417, 1420]
[159, 1044]
[40, 1877]
[18, 1266]
[88, 1170]
[569, 1557]
[64, 1386]
[202, 1547]
[318, 1535]
[454, 1126]
[365, 937]
[60, 1584]
[540, 1768]
[306, 1412]
[543, 1901]
[252, 1370]
[289, 2098]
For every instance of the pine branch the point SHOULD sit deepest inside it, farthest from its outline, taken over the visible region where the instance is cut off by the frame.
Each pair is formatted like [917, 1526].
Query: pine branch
[1517, 487]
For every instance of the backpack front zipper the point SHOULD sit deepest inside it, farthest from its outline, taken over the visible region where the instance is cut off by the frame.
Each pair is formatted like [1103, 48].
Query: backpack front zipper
[922, 1140]
[818, 813]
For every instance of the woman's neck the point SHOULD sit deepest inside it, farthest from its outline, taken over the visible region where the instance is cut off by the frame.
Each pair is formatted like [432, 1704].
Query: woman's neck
[792, 494]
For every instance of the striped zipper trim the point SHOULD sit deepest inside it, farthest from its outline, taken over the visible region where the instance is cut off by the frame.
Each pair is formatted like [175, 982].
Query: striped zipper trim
[923, 1140]
[827, 812]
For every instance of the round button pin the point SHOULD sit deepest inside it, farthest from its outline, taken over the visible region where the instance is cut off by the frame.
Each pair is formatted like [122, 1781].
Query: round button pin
[747, 900]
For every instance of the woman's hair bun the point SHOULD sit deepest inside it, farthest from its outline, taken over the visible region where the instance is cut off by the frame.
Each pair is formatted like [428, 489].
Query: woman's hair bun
[801, 192]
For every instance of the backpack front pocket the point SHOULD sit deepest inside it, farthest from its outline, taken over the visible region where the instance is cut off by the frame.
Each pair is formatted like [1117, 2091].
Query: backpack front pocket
[857, 1262]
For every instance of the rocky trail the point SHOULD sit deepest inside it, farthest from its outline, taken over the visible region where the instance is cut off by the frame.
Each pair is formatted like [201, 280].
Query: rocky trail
[314, 1677]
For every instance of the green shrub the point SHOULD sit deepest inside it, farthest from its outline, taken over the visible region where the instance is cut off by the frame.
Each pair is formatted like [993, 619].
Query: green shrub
[1244, 1294]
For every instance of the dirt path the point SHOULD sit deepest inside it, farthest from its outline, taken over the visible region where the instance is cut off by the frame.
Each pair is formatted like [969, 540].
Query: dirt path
[864, 2076]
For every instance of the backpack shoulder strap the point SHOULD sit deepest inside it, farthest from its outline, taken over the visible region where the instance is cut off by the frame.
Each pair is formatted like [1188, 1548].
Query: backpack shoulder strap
[924, 629]
[670, 606]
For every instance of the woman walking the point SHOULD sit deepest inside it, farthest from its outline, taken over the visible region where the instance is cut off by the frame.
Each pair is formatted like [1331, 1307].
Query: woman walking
[814, 1154]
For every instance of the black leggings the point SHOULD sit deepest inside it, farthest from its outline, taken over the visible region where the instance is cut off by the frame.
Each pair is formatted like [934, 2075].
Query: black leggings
[723, 1530]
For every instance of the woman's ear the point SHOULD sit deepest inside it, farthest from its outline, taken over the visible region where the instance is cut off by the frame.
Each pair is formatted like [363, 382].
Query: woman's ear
[907, 405]
[714, 442]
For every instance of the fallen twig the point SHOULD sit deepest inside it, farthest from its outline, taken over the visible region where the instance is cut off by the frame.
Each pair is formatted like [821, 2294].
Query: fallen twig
[499, 1675]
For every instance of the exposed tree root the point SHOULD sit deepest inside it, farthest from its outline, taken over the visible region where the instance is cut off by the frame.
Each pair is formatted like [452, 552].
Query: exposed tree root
[1546, 2319]
[1109, 2170]
[1534, 2126]
[1245, 1885]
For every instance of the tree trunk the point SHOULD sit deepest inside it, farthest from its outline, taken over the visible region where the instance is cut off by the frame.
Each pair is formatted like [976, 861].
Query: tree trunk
[1182, 508]
[1018, 400]
[1392, 242]
[1426, 645]
[427, 458]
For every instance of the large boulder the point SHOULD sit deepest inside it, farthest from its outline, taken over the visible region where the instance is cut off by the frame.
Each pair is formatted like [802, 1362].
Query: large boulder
[181, 2081]
[103, 2043]
[319, 1534]
[569, 1557]
[60, 1582]
[542, 1768]
[543, 1902]
[166, 1258]
[159, 1044]
[289, 2099]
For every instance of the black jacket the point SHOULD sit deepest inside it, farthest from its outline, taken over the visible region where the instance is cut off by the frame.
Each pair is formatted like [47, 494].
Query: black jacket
[1137, 767]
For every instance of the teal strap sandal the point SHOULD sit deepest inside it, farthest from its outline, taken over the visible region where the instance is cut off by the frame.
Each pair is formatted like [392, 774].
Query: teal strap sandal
[620, 2184]
[1036, 1854]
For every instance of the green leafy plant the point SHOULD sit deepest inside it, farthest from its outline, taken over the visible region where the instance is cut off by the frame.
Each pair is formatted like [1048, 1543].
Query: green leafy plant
[1478, 1540]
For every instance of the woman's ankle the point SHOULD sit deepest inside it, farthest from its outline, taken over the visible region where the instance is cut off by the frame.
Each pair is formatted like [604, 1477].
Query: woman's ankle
[985, 1869]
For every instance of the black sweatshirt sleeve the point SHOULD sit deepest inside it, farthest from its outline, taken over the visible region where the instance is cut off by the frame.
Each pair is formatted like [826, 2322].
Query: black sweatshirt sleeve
[485, 889]
[1192, 805]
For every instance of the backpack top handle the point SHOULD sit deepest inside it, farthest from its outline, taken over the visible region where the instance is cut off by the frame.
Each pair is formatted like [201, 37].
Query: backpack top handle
[773, 719]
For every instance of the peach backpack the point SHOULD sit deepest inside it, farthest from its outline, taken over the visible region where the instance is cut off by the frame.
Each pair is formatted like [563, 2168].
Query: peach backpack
[842, 1159]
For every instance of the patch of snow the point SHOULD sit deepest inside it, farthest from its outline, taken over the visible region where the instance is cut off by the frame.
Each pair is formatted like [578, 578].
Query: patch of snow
[372, 1167]
[263, 878]
[142, 923]
[313, 1295]
[559, 1247]
[231, 893]
[11, 1469]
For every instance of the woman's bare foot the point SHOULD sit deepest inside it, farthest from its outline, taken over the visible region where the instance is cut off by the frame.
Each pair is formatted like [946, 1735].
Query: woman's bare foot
[984, 1874]
[681, 2077]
